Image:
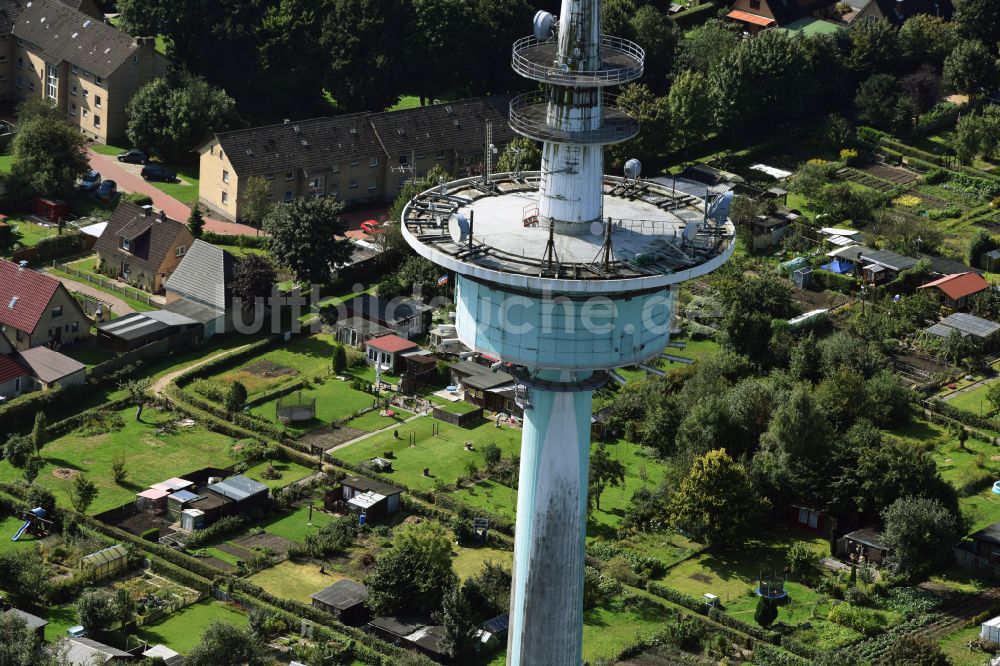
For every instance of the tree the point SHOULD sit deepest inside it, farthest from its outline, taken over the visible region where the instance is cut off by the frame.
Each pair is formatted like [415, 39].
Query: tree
[38, 432]
[460, 627]
[97, 611]
[414, 573]
[659, 36]
[303, 237]
[82, 493]
[491, 456]
[136, 389]
[225, 645]
[17, 642]
[915, 651]
[653, 139]
[43, 497]
[253, 278]
[32, 469]
[339, 359]
[488, 591]
[18, 450]
[803, 563]
[170, 116]
[119, 470]
[919, 534]
[604, 471]
[925, 38]
[706, 45]
[687, 102]
[981, 243]
[255, 201]
[993, 395]
[716, 503]
[521, 154]
[977, 19]
[885, 473]
[978, 135]
[971, 68]
[766, 612]
[804, 362]
[25, 575]
[196, 222]
[48, 154]
[236, 397]
[876, 101]
[874, 46]
[923, 86]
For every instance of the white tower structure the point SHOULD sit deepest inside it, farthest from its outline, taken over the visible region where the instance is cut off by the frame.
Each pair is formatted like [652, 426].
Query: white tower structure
[564, 274]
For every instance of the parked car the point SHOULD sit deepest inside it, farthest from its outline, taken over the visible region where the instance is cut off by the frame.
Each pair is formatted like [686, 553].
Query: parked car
[107, 191]
[90, 181]
[134, 156]
[158, 172]
[371, 227]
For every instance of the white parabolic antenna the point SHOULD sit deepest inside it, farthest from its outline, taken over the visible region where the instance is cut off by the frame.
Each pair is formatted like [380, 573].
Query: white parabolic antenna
[633, 168]
[543, 24]
[458, 227]
[690, 231]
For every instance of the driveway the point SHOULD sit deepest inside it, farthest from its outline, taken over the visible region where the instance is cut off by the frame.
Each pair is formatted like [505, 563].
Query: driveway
[128, 179]
[118, 306]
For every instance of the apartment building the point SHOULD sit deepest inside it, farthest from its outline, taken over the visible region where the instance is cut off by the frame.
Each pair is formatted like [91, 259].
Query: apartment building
[357, 158]
[87, 68]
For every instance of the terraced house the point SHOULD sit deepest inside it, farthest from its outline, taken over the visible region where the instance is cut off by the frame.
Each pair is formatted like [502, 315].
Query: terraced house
[356, 158]
[87, 68]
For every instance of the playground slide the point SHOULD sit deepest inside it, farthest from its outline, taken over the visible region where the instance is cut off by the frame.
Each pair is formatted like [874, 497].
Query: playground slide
[17, 536]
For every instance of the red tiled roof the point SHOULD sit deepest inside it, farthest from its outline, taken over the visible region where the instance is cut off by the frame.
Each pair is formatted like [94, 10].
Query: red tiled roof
[32, 291]
[11, 369]
[747, 17]
[959, 285]
[392, 344]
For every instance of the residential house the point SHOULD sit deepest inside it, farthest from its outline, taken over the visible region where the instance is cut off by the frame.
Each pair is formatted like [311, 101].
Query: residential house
[361, 157]
[406, 317]
[967, 325]
[88, 7]
[141, 247]
[88, 68]
[956, 290]
[51, 369]
[388, 351]
[36, 309]
[79, 651]
[15, 379]
[345, 600]
[896, 12]
[864, 545]
[757, 15]
[201, 288]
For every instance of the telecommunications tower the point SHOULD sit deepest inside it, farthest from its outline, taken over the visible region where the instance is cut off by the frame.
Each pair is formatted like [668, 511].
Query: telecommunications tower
[565, 274]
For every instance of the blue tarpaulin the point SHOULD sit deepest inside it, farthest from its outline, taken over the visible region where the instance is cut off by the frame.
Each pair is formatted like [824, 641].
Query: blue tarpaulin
[838, 266]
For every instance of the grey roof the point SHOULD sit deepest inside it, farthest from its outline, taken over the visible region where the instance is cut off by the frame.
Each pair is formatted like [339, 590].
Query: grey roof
[343, 594]
[458, 126]
[153, 235]
[48, 365]
[60, 32]
[313, 145]
[468, 368]
[488, 380]
[851, 253]
[966, 324]
[868, 536]
[364, 326]
[171, 318]
[391, 311]
[945, 266]
[33, 621]
[365, 484]
[132, 326]
[9, 9]
[238, 487]
[87, 652]
[204, 275]
[196, 311]
[400, 625]
[498, 624]
[889, 259]
[991, 534]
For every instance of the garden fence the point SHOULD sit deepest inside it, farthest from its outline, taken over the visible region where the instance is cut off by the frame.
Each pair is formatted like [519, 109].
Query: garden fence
[106, 283]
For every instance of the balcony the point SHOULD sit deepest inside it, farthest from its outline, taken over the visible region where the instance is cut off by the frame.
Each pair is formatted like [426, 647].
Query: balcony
[529, 117]
[622, 61]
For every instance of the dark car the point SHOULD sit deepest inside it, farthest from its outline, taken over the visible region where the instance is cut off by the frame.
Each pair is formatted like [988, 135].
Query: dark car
[90, 181]
[134, 156]
[158, 172]
[107, 191]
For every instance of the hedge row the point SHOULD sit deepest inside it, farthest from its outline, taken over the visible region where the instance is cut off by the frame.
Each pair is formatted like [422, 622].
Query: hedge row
[180, 575]
[273, 394]
[256, 428]
[56, 247]
[769, 655]
[422, 508]
[940, 408]
[19, 413]
[690, 18]
[699, 606]
[212, 367]
[60, 428]
[259, 242]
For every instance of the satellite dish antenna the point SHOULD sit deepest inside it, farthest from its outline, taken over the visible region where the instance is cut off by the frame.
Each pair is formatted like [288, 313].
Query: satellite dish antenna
[719, 210]
[458, 227]
[633, 168]
[690, 231]
[543, 25]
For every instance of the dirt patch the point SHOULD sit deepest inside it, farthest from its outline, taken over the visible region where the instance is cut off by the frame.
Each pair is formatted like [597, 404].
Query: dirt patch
[892, 174]
[928, 365]
[331, 436]
[138, 523]
[267, 368]
[241, 553]
[701, 577]
[65, 474]
[216, 563]
[276, 543]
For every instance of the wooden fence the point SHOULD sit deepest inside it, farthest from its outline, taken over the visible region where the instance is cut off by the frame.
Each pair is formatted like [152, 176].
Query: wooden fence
[106, 283]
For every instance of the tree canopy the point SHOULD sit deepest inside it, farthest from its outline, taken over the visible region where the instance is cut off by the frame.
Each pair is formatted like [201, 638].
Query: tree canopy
[303, 237]
[414, 573]
[48, 154]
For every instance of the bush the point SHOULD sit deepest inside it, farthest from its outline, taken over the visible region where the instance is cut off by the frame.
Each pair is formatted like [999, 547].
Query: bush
[221, 527]
[935, 176]
[55, 247]
[861, 620]
[975, 483]
[137, 198]
[152, 534]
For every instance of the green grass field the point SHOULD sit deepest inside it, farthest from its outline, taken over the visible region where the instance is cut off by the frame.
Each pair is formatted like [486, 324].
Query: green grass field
[973, 400]
[88, 353]
[182, 630]
[290, 473]
[373, 420]
[150, 457]
[444, 453]
[295, 525]
[295, 580]
[28, 233]
[6, 161]
[956, 648]
[467, 562]
[8, 528]
[185, 189]
[97, 281]
[334, 400]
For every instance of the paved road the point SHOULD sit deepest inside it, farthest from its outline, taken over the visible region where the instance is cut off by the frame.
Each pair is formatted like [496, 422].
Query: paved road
[128, 179]
[118, 306]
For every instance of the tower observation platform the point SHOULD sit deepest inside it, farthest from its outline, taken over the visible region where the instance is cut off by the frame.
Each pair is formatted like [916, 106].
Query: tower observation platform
[563, 274]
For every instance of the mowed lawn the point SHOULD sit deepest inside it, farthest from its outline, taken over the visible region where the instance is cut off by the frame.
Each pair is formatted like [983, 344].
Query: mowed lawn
[290, 473]
[974, 400]
[467, 562]
[150, 457]
[443, 454]
[295, 580]
[9, 526]
[373, 420]
[334, 400]
[182, 630]
[295, 525]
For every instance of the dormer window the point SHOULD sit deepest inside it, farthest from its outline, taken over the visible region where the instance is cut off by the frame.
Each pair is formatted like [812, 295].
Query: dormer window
[57, 311]
[126, 244]
[180, 250]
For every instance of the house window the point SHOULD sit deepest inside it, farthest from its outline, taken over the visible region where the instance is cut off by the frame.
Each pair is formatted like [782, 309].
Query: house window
[220, 153]
[72, 90]
[355, 163]
[373, 162]
[180, 251]
[31, 85]
[353, 184]
[97, 101]
[85, 112]
[372, 184]
[269, 176]
[211, 150]
[288, 195]
[135, 60]
[440, 155]
[72, 109]
[225, 197]
[404, 160]
[225, 176]
[3, 58]
[98, 80]
[97, 121]
[335, 168]
[126, 244]
[53, 79]
[86, 93]
[290, 174]
[19, 83]
[20, 42]
[57, 311]
[754, 4]
[419, 156]
[75, 326]
[72, 69]
[334, 191]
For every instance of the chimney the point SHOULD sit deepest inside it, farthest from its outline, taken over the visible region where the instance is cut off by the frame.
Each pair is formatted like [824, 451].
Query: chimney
[163, 215]
[21, 265]
[147, 210]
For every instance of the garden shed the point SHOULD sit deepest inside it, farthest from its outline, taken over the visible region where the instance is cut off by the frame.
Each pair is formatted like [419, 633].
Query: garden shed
[990, 630]
[864, 545]
[106, 562]
[967, 325]
[151, 500]
[345, 599]
[375, 499]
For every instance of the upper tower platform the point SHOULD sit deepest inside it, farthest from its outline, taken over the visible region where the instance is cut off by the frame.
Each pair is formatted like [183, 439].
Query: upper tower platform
[621, 61]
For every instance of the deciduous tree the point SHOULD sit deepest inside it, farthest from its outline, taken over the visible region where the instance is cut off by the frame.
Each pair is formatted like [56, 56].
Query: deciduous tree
[459, 624]
[688, 103]
[82, 492]
[874, 46]
[225, 645]
[136, 389]
[919, 534]
[925, 38]
[604, 471]
[18, 450]
[253, 277]
[97, 612]
[255, 201]
[971, 68]
[978, 19]
[17, 642]
[412, 574]
[303, 237]
[520, 154]
[48, 154]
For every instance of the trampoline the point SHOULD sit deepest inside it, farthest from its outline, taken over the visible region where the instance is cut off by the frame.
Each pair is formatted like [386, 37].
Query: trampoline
[295, 409]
